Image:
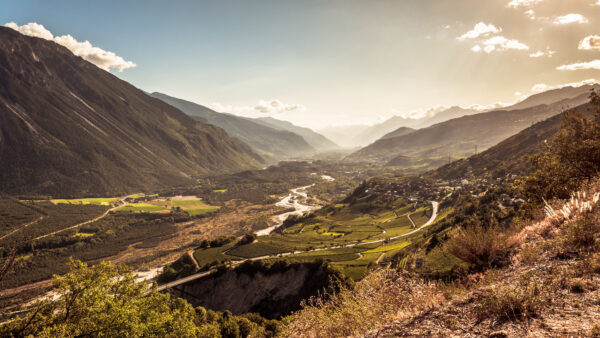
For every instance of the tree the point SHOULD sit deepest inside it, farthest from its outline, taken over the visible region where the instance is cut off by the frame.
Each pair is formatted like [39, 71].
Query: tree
[570, 159]
[105, 301]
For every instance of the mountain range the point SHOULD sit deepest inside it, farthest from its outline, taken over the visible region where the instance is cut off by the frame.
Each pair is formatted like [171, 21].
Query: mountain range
[463, 136]
[279, 139]
[68, 127]
[353, 136]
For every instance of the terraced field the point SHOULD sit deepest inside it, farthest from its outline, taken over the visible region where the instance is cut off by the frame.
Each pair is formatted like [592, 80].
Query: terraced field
[350, 241]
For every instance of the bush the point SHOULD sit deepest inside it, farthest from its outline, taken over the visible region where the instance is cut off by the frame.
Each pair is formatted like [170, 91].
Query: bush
[482, 247]
[511, 303]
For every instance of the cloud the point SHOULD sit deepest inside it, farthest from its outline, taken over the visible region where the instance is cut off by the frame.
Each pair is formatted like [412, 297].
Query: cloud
[276, 107]
[263, 107]
[420, 113]
[590, 42]
[530, 13]
[542, 87]
[570, 18]
[540, 53]
[595, 64]
[499, 43]
[101, 58]
[488, 107]
[480, 29]
[523, 3]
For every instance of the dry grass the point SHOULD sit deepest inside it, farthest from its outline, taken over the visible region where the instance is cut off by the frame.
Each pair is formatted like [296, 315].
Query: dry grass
[482, 247]
[382, 296]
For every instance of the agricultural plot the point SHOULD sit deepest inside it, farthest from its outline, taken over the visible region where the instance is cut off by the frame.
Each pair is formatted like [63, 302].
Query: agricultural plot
[105, 201]
[156, 204]
[352, 242]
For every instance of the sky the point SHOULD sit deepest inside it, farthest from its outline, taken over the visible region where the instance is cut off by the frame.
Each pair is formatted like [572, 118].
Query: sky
[320, 63]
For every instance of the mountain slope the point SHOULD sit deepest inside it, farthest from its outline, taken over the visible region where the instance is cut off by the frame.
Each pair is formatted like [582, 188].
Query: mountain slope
[460, 136]
[264, 138]
[313, 138]
[398, 132]
[362, 135]
[554, 95]
[507, 157]
[69, 128]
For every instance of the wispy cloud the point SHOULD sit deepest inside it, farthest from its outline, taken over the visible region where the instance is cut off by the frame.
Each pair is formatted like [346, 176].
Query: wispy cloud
[263, 107]
[590, 42]
[595, 64]
[569, 19]
[480, 29]
[499, 43]
[523, 3]
[547, 53]
[275, 107]
[101, 58]
[542, 87]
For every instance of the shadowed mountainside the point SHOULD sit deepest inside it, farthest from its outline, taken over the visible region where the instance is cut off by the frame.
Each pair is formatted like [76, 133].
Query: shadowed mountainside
[68, 127]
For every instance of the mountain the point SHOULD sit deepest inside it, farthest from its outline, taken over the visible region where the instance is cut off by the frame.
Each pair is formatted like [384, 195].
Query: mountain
[70, 128]
[444, 115]
[362, 135]
[353, 136]
[272, 141]
[399, 132]
[459, 137]
[554, 95]
[507, 157]
[313, 138]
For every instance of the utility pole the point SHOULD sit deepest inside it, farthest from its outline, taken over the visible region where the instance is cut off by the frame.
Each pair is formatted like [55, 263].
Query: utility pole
[475, 149]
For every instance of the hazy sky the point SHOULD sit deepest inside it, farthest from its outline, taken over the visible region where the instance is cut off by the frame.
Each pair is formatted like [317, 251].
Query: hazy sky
[320, 63]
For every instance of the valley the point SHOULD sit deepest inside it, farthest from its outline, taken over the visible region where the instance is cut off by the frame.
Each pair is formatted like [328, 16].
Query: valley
[241, 206]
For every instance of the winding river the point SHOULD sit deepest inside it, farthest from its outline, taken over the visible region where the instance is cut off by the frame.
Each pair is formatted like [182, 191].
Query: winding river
[290, 201]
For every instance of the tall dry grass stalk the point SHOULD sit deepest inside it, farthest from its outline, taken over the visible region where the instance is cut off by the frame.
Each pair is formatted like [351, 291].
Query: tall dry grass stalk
[382, 297]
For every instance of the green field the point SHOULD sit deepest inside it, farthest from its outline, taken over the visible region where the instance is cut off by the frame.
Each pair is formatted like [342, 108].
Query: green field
[338, 226]
[187, 202]
[142, 207]
[95, 201]
[201, 211]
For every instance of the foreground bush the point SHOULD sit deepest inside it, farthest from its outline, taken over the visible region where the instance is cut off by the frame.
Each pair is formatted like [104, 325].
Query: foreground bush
[107, 301]
[382, 296]
[482, 247]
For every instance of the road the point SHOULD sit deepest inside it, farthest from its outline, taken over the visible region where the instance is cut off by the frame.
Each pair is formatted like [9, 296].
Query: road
[22, 227]
[121, 202]
[434, 213]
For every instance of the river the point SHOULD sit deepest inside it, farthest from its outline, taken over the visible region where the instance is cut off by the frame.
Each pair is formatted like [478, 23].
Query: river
[290, 201]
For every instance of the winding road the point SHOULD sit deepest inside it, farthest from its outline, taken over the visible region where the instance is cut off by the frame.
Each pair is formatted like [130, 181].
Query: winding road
[434, 213]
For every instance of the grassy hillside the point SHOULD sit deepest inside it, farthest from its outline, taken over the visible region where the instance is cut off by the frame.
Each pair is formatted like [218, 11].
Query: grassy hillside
[69, 128]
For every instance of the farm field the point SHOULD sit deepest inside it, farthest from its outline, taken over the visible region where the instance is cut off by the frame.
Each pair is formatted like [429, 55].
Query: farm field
[106, 201]
[351, 242]
[192, 205]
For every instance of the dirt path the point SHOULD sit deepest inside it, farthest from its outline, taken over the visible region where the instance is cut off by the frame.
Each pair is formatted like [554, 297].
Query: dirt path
[121, 202]
[22, 227]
